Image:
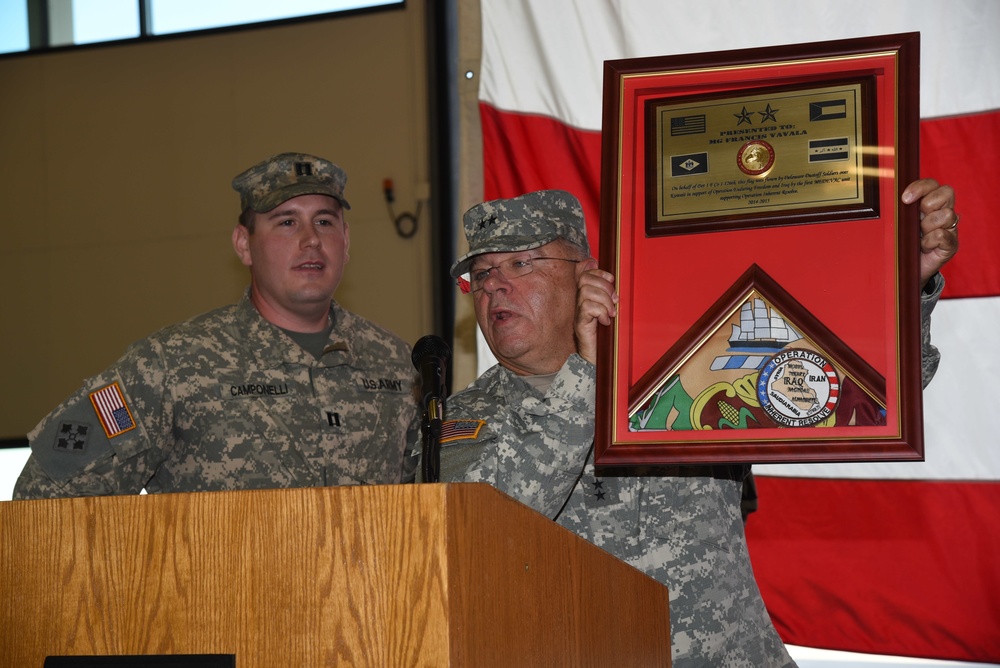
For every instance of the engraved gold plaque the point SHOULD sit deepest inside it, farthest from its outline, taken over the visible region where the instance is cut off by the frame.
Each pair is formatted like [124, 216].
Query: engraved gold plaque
[747, 154]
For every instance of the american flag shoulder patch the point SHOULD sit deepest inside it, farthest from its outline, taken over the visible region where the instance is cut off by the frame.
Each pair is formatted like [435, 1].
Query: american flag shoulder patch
[459, 430]
[112, 411]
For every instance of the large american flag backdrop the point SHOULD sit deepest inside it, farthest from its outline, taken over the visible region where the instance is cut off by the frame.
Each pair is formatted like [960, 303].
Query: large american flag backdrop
[893, 558]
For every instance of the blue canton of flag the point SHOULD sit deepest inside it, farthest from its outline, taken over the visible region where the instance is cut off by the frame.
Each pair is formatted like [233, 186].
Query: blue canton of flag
[122, 419]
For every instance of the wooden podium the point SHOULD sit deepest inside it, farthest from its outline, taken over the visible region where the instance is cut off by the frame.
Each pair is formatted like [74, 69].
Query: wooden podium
[395, 575]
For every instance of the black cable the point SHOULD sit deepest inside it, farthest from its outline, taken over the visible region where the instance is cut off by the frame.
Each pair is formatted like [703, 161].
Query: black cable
[406, 223]
[410, 219]
[575, 483]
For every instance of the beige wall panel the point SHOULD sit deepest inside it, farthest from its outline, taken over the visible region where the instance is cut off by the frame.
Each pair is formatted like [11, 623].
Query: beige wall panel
[115, 170]
[24, 173]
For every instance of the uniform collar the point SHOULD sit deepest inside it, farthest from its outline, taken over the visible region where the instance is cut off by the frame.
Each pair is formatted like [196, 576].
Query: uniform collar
[272, 347]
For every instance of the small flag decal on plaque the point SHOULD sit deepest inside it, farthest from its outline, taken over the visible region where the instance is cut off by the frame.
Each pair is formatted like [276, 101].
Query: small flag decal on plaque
[687, 125]
[829, 150]
[689, 164]
[827, 110]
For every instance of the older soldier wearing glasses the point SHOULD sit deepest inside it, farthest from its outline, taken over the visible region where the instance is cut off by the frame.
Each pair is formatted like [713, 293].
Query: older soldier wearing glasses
[526, 426]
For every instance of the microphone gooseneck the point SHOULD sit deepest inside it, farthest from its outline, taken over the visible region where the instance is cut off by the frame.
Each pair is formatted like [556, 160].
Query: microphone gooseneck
[430, 356]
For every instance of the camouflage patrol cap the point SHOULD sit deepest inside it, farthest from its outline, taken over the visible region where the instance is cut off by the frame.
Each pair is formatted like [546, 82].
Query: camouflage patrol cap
[522, 223]
[286, 175]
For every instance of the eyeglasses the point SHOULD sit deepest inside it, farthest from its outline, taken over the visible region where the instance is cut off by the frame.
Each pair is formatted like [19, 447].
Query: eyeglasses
[509, 269]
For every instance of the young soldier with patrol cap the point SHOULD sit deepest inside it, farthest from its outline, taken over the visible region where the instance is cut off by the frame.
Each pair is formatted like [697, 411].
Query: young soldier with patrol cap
[526, 426]
[283, 389]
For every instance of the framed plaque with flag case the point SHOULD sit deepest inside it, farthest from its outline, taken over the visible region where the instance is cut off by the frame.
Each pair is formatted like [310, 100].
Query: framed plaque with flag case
[767, 269]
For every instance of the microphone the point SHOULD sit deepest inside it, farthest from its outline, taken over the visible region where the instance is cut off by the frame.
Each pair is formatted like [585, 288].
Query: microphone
[430, 357]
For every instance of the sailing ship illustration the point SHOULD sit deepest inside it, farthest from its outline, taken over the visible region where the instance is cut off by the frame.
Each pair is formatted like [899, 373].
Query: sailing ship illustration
[761, 333]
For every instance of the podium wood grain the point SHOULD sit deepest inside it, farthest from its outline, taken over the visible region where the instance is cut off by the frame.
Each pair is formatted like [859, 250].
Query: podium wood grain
[396, 575]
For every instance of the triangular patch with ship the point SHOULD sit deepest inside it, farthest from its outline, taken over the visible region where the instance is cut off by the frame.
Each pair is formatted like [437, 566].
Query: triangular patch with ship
[757, 359]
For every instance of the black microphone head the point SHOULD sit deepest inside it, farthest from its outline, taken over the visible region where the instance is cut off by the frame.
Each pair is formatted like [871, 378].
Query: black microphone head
[432, 346]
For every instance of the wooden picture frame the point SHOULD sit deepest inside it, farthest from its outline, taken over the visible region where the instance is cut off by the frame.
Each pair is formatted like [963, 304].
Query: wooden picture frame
[767, 269]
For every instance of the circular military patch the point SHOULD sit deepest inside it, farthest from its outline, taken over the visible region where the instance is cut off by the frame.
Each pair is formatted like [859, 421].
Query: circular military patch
[755, 157]
[798, 388]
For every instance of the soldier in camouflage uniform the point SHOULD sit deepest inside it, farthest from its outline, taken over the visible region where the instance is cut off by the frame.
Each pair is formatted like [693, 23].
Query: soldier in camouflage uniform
[283, 389]
[526, 426]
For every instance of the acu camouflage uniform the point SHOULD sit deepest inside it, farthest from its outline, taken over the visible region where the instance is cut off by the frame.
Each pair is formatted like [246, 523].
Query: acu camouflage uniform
[229, 401]
[682, 528]
[680, 525]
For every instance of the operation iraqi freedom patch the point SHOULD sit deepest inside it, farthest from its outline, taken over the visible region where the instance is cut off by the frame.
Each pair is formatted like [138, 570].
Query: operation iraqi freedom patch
[755, 157]
[798, 388]
[460, 430]
[112, 411]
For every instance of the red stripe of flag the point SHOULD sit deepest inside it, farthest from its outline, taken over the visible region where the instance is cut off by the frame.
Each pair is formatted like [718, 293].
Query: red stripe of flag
[917, 558]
